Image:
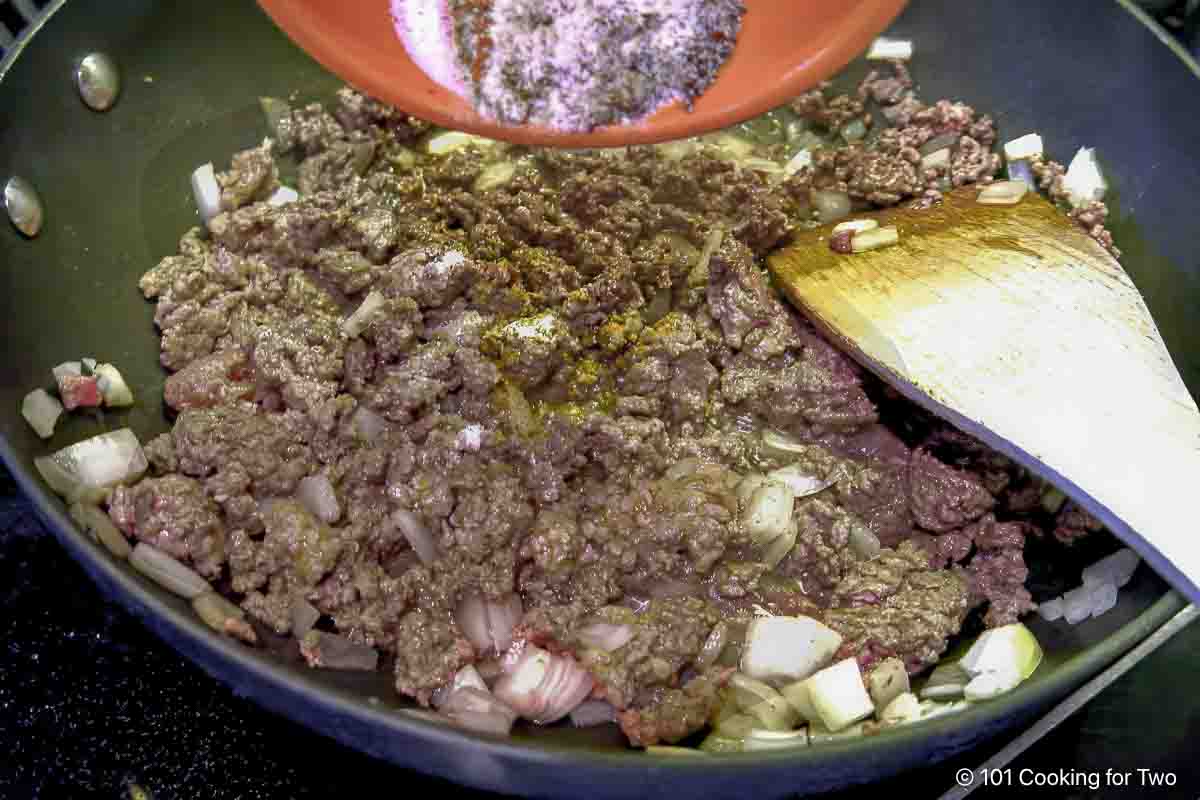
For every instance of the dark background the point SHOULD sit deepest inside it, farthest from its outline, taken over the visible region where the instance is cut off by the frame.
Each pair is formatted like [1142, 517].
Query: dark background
[91, 703]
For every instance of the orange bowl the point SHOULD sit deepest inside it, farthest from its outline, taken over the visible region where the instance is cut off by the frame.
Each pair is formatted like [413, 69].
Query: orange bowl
[785, 47]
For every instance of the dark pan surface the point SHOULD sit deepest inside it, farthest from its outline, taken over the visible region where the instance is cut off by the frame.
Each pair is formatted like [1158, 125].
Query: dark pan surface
[117, 199]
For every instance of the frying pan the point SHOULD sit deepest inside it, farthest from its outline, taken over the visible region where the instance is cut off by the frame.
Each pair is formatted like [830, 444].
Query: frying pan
[117, 199]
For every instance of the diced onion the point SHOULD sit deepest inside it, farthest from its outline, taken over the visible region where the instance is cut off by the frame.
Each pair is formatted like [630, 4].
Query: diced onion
[418, 536]
[67, 369]
[864, 542]
[112, 385]
[282, 196]
[830, 206]
[1084, 182]
[710, 651]
[774, 714]
[780, 546]
[593, 713]
[330, 651]
[886, 681]
[1002, 193]
[41, 411]
[987, 685]
[874, 239]
[1021, 171]
[885, 49]
[443, 143]
[839, 696]
[800, 482]
[495, 176]
[488, 624]
[855, 225]
[542, 687]
[946, 681]
[88, 469]
[304, 617]
[357, 322]
[902, 709]
[605, 636]
[206, 192]
[699, 274]
[783, 650]
[223, 616]
[96, 523]
[760, 739]
[801, 161]
[1023, 148]
[167, 572]
[938, 159]
[316, 493]
[780, 444]
[769, 512]
[1000, 649]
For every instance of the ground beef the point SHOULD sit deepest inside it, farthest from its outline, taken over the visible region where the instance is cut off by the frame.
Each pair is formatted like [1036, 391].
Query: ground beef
[173, 514]
[561, 396]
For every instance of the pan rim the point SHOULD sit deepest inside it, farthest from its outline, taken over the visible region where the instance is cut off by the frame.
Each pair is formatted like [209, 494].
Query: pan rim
[189, 636]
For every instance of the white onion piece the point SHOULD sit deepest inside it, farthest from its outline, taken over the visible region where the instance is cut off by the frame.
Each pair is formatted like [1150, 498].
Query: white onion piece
[282, 196]
[839, 696]
[885, 49]
[762, 739]
[987, 685]
[304, 616]
[41, 411]
[831, 206]
[88, 469]
[605, 636]
[1021, 171]
[1002, 193]
[1023, 148]
[418, 536]
[96, 523]
[938, 159]
[699, 273]
[67, 369]
[780, 546]
[167, 572]
[769, 512]
[1104, 599]
[874, 239]
[747, 486]
[495, 176]
[802, 160]
[886, 681]
[367, 425]
[864, 542]
[711, 650]
[946, 681]
[331, 651]
[470, 698]
[112, 386]
[223, 616]
[783, 650]
[800, 482]
[488, 624]
[781, 444]
[542, 687]
[1084, 182]
[491, 723]
[902, 709]
[357, 322]
[855, 225]
[206, 192]
[593, 713]
[443, 143]
[316, 493]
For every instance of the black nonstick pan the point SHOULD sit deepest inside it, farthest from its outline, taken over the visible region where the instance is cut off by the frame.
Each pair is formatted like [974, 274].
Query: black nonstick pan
[116, 197]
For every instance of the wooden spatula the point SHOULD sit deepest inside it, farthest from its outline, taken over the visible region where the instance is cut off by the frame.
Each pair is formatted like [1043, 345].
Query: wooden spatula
[1021, 330]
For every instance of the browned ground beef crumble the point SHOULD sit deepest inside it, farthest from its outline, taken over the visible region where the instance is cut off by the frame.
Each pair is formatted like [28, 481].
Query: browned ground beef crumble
[563, 316]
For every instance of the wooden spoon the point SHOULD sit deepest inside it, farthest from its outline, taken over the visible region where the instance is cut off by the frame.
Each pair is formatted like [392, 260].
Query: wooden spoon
[1021, 330]
[784, 47]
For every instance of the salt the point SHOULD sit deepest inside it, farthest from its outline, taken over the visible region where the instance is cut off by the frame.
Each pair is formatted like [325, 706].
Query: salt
[570, 64]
